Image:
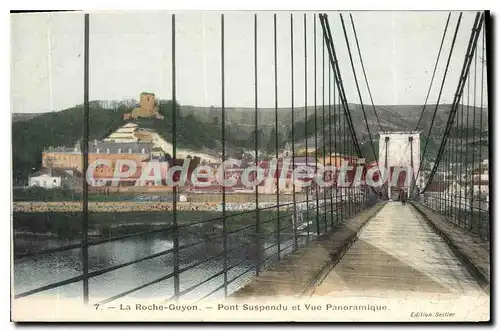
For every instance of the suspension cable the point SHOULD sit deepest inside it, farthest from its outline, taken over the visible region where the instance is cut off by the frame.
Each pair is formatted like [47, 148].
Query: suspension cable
[367, 85]
[357, 87]
[481, 119]
[364, 74]
[463, 76]
[440, 93]
[434, 72]
[338, 79]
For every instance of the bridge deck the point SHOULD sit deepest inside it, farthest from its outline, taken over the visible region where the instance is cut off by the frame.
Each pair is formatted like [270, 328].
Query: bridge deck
[399, 254]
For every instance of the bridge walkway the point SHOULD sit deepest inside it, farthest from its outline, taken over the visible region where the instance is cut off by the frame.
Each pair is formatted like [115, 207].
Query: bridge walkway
[399, 254]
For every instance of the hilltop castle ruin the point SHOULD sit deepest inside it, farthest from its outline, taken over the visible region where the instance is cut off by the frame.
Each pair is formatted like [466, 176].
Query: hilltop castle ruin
[147, 108]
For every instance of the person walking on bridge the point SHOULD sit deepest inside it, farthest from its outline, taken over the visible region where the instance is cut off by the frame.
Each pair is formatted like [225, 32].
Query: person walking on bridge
[402, 196]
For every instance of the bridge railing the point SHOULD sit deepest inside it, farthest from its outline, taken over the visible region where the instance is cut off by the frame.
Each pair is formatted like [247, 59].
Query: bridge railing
[460, 187]
[239, 251]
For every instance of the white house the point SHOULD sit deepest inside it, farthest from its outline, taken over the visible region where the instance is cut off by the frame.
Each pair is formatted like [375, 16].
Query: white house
[50, 178]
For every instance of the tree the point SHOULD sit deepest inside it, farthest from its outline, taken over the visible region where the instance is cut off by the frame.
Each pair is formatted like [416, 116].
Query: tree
[271, 143]
[216, 121]
[261, 136]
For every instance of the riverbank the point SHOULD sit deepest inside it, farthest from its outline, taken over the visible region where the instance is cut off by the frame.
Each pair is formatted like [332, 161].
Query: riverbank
[121, 207]
[107, 224]
[69, 207]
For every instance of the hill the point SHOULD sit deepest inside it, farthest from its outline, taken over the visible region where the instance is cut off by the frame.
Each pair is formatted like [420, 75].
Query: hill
[65, 128]
[200, 127]
[23, 116]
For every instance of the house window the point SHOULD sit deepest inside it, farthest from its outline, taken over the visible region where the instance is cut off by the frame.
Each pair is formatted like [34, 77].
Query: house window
[119, 151]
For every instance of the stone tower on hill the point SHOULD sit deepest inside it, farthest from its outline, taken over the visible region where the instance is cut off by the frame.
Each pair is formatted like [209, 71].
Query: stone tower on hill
[147, 108]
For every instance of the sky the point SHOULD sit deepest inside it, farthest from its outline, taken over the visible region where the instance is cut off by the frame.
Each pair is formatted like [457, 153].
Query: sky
[131, 52]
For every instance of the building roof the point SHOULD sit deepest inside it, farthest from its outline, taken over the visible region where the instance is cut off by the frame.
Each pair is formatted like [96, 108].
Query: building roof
[103, 146]
[62, 149]
[115, 147]
[123, 131]
[57, 172]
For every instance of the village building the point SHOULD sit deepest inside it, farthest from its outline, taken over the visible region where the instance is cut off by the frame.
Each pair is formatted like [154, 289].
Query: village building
[55, 177]
[71, 158]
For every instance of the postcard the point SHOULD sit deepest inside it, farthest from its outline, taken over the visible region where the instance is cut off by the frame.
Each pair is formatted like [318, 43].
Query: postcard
[250, 166]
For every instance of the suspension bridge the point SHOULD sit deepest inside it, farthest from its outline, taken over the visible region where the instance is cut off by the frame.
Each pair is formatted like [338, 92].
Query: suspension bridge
[350, 241]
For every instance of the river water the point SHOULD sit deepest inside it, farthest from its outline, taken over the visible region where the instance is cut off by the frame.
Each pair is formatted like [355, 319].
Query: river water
[33, 272]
